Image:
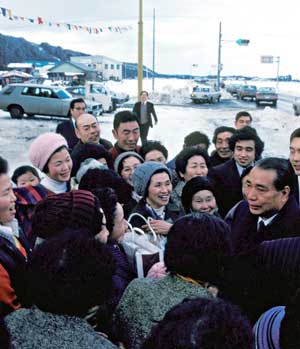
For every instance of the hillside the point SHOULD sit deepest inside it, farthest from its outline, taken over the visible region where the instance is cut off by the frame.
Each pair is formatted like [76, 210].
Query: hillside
[19, 50]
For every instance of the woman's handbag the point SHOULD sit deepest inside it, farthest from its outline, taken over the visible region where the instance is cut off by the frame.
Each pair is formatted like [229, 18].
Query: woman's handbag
[142, 249]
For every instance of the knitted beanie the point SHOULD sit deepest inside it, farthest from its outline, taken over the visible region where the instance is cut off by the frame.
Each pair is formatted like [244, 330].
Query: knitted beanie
[191, 187]
[73, 210]
[143, 173]
[119, 159]
[89, 151]
[43, 147]
[267, 328]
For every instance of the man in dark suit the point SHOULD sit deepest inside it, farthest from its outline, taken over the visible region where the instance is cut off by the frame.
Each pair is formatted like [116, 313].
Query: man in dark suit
[246, 147]
[269, 211]
[295, 161]
[144, 111]
[67, 128]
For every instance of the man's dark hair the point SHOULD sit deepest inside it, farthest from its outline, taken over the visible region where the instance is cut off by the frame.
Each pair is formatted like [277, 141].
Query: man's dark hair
[144, 92]
[195, 138]
[76, 100]
[295, 134]
[247, 133]
[183, 157]
[69, 275]
[197, 247]
[202, 323]
[122, 117]
[19, 171]
[284, 173]
[241, 114]
[222, 129]
[3, 166]
[153, 145]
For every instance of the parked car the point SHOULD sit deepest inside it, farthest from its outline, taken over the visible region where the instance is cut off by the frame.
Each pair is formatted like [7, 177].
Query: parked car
[266, 95]
[296, 106]
[232, 89]
[246, 91]
[96, 92]
[205, 94]
[31, 99]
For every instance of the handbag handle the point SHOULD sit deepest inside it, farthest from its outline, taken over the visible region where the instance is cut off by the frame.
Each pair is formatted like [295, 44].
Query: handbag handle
[134, 229]
[147, 221]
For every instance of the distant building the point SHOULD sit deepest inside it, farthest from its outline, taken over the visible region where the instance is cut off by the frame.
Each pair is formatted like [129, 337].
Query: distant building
[23, 67]
[108, 68]
[69, 71]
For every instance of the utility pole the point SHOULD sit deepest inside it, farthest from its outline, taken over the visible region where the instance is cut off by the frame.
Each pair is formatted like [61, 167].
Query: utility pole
[219, 56]
[140, 49]
[153, 52]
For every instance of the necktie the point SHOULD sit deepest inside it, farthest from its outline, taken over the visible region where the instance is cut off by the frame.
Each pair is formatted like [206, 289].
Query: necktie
[261, 227]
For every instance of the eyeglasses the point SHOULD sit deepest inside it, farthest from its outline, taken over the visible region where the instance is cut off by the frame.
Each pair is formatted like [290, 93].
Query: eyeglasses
[78, 108]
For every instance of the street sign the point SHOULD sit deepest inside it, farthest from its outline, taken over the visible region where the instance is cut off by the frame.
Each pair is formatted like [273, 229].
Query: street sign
[243, 42]
[266, 59]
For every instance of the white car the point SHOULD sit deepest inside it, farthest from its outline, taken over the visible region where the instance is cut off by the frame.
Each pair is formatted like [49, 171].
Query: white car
[202, 94]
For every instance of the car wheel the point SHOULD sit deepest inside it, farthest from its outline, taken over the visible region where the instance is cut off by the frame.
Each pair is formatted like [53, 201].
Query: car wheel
[219, 98]
[16, 112]
[275, 103]
[211, 100]
[257, 103]
[296, 113]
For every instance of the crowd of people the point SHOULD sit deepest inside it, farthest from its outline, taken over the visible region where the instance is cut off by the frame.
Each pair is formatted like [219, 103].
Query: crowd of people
[228, 224]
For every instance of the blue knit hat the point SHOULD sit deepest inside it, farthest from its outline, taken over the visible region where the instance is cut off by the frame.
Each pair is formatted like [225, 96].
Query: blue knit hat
[143, 173]
[267, 328]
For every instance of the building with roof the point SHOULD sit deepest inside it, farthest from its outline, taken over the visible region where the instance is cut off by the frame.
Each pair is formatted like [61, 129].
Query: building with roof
[69, 71]
[107, 68]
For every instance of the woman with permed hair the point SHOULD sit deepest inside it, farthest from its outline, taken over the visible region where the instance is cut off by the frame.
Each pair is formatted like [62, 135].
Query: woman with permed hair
[66, 278]
[197, 245]
[203, 324]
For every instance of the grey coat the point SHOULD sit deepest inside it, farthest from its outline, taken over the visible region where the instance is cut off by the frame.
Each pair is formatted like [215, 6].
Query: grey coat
[146, 301]
[35, 329]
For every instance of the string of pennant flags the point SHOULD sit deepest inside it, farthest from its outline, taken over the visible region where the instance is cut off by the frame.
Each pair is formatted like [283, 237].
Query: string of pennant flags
[5, 12]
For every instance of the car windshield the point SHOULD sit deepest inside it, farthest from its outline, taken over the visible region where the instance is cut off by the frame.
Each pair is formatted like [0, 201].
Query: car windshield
[62, 94]
[266, 90]
[201, 89]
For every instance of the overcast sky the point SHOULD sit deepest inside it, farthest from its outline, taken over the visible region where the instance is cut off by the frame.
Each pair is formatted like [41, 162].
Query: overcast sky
[186, 32]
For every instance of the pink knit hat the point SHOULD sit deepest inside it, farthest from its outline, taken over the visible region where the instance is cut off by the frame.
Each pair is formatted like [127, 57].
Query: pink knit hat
[43, 147]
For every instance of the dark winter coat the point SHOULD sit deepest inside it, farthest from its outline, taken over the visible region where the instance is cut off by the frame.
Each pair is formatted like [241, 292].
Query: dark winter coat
[13, 258]
[265, 276]
[215, 159]
[172, 212]
[116, 150]
[227, 184]
[67, 130]
[150, 112]
[123, 275]
[243, 223]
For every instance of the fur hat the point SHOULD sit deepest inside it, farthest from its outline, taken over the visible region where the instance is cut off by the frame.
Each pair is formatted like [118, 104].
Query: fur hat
[119, 159]
[191, 187]
[143, 173]
[43, 147]
[75, 209]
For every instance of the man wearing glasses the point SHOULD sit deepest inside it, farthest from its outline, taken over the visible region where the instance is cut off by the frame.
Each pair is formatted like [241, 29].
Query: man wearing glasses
[67, 128]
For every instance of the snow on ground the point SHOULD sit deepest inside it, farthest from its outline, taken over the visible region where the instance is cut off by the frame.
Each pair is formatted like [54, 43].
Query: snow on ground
[175, 121]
